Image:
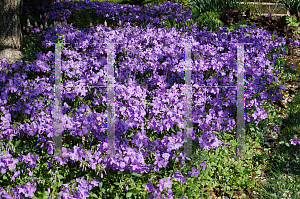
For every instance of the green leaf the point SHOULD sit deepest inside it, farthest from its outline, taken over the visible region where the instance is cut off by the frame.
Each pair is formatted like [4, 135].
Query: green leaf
[287, 144]
[135, 192]
[44, 195]
[136, 174]
[230, 192]
[128, 194]
[60, 176]
[92, 194]
[54, 186]
[17, 143]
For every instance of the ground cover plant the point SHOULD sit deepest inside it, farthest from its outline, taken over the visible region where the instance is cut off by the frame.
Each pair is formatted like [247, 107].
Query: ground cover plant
[153, 164]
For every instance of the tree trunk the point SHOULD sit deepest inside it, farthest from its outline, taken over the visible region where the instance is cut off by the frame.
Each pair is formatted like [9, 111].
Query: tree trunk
[11, 39]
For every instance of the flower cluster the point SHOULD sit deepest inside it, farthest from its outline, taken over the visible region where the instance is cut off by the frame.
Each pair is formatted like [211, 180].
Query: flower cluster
[158, 54]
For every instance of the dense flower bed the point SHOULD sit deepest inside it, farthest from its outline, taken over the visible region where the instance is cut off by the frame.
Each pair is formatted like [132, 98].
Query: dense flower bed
[149, 93]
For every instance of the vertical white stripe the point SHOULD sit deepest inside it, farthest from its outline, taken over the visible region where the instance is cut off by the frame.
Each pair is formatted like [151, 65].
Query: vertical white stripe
[240, 125]
[110, 101]
[187, 103]
[57, 107]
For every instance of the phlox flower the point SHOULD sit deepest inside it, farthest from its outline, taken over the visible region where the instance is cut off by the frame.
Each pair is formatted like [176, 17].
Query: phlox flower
[294, 141]
[164, 183]
[194, 172]
[178, 176]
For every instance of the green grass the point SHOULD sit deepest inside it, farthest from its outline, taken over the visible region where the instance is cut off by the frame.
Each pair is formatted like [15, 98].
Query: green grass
[281, 181]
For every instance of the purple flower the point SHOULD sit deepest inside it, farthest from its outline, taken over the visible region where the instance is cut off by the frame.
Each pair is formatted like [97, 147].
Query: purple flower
[160, 162]
[135, 166]
[294, 141]
[164, 183]
[149, 187]
[8, 196]
[27, 190]
[260, 113]
[169, 194]
[282, 86]
[178, 176]
[81, 181]
[194, 172]
[166, 156]
[16, 174]
[203, 164]
[94, 183]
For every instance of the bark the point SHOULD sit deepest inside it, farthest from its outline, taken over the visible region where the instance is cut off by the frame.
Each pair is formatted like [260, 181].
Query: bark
[11, 39]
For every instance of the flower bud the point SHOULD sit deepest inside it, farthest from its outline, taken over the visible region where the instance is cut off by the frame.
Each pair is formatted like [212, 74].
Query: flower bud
[27, 29]
[46, 25]
[35, 24]
[41, 27]
[40, 16]
[105, 23]
[120, 23]
[23, 27]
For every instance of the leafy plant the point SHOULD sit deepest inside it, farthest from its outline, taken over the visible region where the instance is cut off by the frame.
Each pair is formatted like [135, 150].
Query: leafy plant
[140, 2]
[183, 2]
[292, 21]
[241, 24]
[209, 20]
[202, 6]
[172, 23]
[292, 5]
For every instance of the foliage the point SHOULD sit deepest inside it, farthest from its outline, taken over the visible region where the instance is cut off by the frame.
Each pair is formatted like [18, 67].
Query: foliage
[172, 23]
[202, 6]
[149, 2]
[139, 2]
[240, 24]
[293, 6]
[209, 20]
[90, 16]
[183, 2]
[292, 21]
